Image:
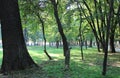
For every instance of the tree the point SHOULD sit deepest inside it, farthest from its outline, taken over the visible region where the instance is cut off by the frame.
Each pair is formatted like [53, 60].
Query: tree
[80, 30]
[115, 22]
[36, 9]
[15, 54]
[103, 19]
[43, 30]
[64, 39]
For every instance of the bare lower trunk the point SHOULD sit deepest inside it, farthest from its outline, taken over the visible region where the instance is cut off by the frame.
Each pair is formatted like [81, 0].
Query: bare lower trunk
[57, 44]
[15, 54]
[86, 44]
[112, 47]
[98, 46]
[90, 45]
[105, 61]
[81, 48]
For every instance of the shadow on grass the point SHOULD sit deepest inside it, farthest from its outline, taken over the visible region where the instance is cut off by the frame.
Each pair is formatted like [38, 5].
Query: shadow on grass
[91, 67]
[55, 69]
[80, 69]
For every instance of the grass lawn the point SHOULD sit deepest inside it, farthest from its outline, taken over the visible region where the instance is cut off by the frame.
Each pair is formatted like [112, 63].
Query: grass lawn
[91, 67]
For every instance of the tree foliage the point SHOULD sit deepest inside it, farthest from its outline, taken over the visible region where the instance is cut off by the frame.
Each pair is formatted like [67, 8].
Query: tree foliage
[89, 19]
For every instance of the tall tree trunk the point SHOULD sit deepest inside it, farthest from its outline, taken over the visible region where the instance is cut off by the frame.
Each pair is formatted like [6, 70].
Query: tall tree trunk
[61, 44]
[64, 39]
[105, 43]
[57, 44]
[43, 30]
[105, 49]
[81, 49]
[98, 45]
[86, 44]
[15, 54]
[80, 31]
[112, 47]
[90, 45]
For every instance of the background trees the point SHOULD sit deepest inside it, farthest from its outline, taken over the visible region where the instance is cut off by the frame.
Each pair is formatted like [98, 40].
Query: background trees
[102, 23]
[84, 20]
[62, 23]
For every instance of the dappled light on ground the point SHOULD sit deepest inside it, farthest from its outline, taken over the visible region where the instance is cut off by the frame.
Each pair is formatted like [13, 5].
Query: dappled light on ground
[116, 64]
[90, 67]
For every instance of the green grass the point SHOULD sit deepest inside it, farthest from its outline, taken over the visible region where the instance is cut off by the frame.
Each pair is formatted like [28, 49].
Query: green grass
[1, 55]
[91, 67]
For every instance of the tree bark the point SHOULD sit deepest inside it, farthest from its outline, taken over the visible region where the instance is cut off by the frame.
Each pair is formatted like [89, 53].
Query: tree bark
[15, 54]
[112, 47]
[98, 45]
[105, 60]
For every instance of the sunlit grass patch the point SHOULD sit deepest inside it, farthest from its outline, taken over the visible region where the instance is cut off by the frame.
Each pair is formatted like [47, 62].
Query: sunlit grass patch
[38, 54]
[1, 56]
[90, 67]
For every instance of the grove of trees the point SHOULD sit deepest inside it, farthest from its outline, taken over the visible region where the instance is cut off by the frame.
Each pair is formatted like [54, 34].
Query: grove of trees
[64, 22]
